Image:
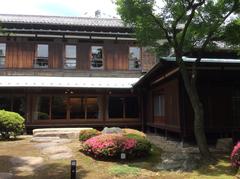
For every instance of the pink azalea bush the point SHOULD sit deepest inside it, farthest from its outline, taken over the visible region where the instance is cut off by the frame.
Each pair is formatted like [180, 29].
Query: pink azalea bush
[110, 146]
[235, 155]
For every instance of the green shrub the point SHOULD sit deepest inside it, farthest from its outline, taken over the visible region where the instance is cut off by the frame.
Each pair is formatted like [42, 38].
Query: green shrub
[87, 134]
[143, 146]
[11, 124]
[133, 131]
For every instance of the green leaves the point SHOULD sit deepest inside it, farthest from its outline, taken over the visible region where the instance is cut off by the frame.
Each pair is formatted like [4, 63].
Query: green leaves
[185, 24]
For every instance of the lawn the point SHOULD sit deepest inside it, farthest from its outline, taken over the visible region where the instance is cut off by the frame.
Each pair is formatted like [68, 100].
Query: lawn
[88, 167]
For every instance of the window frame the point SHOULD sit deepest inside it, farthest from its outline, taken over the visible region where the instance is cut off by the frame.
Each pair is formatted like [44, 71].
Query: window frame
[91, 59]
[68, 58]
[39, 57]
[124, 107]
[131, 60]
[3, 56]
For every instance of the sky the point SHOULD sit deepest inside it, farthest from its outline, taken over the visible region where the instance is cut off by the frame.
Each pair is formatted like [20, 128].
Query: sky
[84, 8]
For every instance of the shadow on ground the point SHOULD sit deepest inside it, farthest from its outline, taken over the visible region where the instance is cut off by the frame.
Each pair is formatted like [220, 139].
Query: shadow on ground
[54, 170]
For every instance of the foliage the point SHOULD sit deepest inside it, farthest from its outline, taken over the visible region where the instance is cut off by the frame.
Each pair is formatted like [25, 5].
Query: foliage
[124, 170]
[11, 124]
[184, 25]
[235, 155]
[87, 134]
[143, 146]
[133, 131]
[112, 145]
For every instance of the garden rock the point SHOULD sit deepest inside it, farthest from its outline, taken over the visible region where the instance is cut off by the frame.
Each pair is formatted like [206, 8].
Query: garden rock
[225, 144]
[112, 130]
[44, 139]
[4, 175]
[179, 162]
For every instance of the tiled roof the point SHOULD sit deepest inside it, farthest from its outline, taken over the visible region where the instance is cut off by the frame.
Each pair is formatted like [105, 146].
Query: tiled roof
[61, 20]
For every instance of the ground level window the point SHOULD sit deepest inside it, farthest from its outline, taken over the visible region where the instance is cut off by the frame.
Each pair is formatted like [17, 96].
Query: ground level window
[123, 107]
[92, 108]
[159, 106]
[41, 107]
[115, 107]
[13, 103]
[77, 107]
[59, 107]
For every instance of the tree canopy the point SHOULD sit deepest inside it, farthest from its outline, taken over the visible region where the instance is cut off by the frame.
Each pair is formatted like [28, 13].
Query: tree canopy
[184, 25]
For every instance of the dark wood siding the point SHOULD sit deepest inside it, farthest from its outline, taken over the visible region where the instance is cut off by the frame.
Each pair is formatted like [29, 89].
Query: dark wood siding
[55, 55]
[171, 119]
[20, 55]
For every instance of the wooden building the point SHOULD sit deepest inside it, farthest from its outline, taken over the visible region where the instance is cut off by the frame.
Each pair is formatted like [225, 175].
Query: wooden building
[71, 71]
[167, 106]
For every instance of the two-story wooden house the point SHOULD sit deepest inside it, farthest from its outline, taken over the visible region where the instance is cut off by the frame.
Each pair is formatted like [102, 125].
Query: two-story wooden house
[71, 71]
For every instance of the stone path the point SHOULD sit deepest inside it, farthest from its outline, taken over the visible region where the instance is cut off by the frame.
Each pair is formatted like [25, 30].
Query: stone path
[53, 147]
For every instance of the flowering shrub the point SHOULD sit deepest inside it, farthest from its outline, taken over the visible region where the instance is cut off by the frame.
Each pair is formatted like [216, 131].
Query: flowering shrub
[87, 134]
[143, 146]
[112, 145]
[235, 156]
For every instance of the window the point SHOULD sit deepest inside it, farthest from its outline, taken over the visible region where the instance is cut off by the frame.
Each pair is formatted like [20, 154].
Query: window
[13, 103]
[41, 60]
[92, 108]
[59, 107]
[123, 107]
[5, 103]
[134, 58]
[41, 108]
[70, 57]
[2, 54]
[97, 57]
[159, 106]
[77, 107]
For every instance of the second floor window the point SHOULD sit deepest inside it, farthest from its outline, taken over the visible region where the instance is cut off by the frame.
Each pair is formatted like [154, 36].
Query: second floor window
[134, 58]
[2, 54]
[97, 57]
[70, 57]
[41, 60]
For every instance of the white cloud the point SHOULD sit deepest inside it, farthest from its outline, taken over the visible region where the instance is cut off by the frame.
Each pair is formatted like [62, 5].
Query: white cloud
[58, 7]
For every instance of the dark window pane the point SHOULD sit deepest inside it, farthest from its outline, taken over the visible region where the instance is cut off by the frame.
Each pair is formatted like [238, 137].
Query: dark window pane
[115, 107]
[5, 103]
[131, 107]
[59, 107]
[97, 57]
[77, 110]
[159, 105]
[41, 107]
[92, 108]
[42, 56]
[19, 105]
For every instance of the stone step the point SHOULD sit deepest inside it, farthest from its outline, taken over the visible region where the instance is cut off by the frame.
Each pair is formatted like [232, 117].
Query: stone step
[67, 133]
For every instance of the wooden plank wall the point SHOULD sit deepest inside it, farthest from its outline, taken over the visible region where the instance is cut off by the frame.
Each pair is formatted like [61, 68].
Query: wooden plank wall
[19, 55]
[22, 55]
[171, 120]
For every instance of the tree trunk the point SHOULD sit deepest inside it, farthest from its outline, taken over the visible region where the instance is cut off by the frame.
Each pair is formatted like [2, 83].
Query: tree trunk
[198, 112]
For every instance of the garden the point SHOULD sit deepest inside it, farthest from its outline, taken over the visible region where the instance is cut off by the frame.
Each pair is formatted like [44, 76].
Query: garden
[110, 153]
